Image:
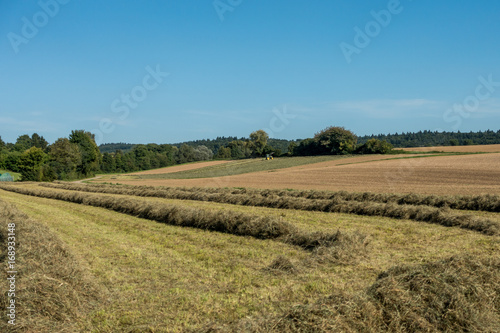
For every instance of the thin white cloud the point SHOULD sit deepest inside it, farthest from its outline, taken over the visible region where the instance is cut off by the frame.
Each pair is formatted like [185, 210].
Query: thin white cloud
[239, 116]
[23, 126]
[391, 108]
[487, 108]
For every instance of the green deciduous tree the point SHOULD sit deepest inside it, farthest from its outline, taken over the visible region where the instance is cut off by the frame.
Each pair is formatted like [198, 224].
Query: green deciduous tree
[259, 140]
[39, 142]
[11, 161]
[119, 161]
[91, 156]
[23, 143]
[291, 148]
[108, 163]
[240, 149]
[142, 157]
[307, 147]
[185, 154]
[336, 141]
[65, 157]
[202, 153]
[224, 152]
[374, 146]
[30, 164]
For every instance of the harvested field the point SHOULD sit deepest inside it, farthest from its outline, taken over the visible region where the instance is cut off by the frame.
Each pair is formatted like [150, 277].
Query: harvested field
[178, 168]
[451, 295]
[221, 221]
[440, 175]
[54, 293]
[487, 202]
[244, 166]
[459, 149]
[166, 278]
[418, 213]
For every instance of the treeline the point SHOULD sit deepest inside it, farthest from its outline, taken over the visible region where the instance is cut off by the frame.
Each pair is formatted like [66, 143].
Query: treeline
[330, 141]
[152, 156]
[278, 145]
[113, 147]
[282, 147]
[68, 158]
[79, 157]
[431, 139]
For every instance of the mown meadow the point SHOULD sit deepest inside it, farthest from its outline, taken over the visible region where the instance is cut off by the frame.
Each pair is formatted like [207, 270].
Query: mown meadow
[148, 259]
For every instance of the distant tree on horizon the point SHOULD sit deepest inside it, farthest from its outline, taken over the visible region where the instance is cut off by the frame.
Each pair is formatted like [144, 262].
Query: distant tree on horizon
[258, 139]
[336, 141]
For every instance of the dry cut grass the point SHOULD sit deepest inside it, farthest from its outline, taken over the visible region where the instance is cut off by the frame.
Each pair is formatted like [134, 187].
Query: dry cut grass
[443, 216]
[458, 294]
[54, 293]
[487, 202]
[165, 278]
[220, 221]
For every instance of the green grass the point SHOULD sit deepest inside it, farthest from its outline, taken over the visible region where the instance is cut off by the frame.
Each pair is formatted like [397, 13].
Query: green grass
[243, 166]
[17, 176]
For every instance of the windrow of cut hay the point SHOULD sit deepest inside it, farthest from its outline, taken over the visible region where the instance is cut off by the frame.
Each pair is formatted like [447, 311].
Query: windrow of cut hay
[485, 202]
[443, 216]
[458, 294]
[52, 291]
[225, 221]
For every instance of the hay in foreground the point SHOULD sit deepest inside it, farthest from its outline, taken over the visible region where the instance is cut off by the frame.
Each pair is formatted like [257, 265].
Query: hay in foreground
[53, 293]
[458, 294]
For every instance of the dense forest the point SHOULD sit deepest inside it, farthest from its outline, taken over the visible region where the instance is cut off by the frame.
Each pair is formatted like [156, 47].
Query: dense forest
[432, 139]
[79, 157]
[281, 145]
[417, 139]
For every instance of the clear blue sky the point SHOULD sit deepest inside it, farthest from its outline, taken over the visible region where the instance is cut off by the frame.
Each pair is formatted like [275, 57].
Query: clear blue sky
[233, 69]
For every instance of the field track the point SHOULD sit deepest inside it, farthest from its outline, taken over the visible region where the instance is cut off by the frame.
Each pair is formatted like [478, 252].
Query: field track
[440, 175]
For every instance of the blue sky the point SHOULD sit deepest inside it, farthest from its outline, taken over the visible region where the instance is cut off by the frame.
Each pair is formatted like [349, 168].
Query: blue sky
[171, 71]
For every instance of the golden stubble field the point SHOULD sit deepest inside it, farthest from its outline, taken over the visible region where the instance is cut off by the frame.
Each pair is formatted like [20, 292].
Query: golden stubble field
[441, 175]
[459, 149]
